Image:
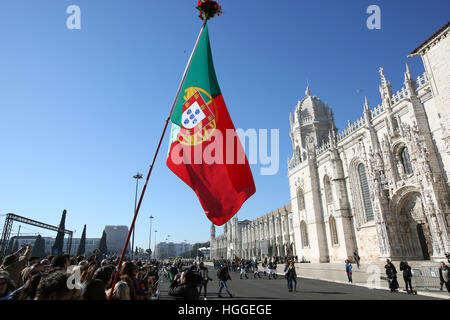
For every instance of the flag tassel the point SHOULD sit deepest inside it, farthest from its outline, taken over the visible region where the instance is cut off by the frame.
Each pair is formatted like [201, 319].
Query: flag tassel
[153, 163]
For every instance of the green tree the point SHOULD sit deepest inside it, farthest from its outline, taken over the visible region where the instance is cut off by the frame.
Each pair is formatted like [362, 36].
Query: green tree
[57, 247]
[39, 247]
[102, 246]
[82, 247]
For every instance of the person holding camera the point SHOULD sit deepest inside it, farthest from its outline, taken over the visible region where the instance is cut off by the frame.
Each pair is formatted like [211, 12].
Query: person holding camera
[184, 286]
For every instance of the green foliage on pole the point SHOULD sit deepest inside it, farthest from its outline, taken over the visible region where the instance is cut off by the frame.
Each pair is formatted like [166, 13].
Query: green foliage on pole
[39, 247]
[102, 246]
[82, 247]
[57, 247]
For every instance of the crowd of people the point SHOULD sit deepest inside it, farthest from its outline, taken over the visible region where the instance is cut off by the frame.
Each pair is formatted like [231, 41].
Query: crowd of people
[64, 277]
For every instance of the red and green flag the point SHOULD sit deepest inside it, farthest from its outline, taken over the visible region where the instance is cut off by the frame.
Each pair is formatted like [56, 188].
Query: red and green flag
[205, 151]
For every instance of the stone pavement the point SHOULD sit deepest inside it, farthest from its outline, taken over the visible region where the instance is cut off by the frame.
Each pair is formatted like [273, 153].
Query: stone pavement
[372, 275]
[307, 289]
[373, 271]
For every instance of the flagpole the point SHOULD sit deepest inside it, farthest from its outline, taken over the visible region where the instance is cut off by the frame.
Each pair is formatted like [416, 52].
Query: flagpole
[154, 159]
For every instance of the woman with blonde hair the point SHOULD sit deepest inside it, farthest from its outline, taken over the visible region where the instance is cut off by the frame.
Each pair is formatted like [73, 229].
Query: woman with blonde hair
[121, 291]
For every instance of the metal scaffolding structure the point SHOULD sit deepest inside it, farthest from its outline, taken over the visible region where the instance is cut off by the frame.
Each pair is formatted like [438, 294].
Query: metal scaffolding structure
[11, 217]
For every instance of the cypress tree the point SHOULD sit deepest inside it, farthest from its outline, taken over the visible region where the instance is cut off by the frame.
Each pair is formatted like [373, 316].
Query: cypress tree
[57, 247]
[39, 247]
[102, 246]
[10, 245]
[82, 247]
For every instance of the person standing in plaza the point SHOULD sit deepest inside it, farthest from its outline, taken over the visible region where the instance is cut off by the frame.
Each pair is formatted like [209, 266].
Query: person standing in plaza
[357, 258]
[224, 276]
[203, 272]
[391, 274]
[407, 276]
[349, 270]
[291, 276]
[444, 276]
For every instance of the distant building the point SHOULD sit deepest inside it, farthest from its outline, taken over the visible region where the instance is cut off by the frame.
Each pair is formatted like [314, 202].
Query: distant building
[170, 249]
[266, 237]
[206, 252]
[115, 238]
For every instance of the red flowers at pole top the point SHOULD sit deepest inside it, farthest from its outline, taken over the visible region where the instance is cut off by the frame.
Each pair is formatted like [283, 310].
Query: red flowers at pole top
[208, 9]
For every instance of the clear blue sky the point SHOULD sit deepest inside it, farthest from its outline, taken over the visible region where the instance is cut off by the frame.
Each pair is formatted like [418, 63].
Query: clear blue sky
[81, 110]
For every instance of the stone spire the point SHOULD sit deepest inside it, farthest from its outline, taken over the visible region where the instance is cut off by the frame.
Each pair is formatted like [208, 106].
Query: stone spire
[384, 83]
[213, 231]
[367, 112]
[408, 74]
[385, 89]
[410, 84]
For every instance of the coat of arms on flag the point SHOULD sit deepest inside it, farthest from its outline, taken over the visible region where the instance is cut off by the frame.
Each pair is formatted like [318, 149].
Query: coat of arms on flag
[197, 121]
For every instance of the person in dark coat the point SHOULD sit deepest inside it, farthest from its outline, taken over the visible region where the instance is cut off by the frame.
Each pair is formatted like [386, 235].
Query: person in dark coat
[357, 258]
[291, 276]
[203, 272]
[407, 276]
[444, 276]
[224, 276]
[184, 286]
[391, 274]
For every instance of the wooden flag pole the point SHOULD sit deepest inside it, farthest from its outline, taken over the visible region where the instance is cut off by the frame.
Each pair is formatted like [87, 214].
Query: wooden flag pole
[153, 163]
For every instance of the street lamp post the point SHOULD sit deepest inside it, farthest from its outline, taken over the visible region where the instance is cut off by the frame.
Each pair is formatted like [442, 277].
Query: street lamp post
[154, 251]
[150, 237]
[138, 177]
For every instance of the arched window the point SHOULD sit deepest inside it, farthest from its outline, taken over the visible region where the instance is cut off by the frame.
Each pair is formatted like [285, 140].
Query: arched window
[304, 234]
[333, 231]
[365, 192]
[300, 200]
[406, 161]
[328, 192]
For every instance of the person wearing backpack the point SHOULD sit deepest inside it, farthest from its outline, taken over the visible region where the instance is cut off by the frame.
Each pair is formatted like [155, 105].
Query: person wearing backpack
[407, 276]
[224, 276]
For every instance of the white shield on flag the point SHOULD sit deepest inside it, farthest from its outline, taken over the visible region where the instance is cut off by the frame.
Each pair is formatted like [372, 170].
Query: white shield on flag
[193, 116]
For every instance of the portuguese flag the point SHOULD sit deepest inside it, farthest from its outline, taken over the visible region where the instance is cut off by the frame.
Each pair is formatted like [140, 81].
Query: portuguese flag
[205, 151]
